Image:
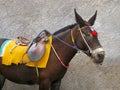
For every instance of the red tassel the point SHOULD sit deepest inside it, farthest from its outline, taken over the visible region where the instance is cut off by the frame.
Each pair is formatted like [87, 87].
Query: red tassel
[94, 33]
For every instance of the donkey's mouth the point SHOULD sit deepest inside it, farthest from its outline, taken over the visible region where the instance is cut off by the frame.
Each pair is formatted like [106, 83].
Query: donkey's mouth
[98, 55]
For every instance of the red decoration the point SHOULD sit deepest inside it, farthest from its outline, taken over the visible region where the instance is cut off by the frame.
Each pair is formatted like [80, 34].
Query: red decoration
[94, 33]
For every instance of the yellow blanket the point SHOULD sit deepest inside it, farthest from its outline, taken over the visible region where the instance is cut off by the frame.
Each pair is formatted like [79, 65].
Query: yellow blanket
[15, 54]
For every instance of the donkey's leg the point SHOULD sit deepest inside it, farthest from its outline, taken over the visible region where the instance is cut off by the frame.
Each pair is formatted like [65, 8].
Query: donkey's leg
[2, 81]
[44, 85]
[56, 85]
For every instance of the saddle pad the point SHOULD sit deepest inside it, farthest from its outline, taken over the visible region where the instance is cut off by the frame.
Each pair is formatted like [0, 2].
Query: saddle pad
[16, 54]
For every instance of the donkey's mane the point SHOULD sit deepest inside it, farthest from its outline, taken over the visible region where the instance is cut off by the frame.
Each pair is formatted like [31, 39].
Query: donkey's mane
[64, 29]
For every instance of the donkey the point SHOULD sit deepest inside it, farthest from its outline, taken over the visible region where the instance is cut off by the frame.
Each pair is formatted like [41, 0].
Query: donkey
[65, 44]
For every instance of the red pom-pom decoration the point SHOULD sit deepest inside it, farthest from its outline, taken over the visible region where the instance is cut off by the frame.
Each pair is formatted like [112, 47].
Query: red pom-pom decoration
[94, 33]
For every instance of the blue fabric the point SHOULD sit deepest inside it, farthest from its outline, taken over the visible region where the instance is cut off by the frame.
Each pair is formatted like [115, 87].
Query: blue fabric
[3, 45]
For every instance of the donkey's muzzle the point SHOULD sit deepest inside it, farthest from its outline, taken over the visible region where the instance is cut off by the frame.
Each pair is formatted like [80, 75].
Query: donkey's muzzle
[98, 55]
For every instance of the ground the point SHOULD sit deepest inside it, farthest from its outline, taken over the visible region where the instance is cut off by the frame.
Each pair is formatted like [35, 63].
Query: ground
[29, 17]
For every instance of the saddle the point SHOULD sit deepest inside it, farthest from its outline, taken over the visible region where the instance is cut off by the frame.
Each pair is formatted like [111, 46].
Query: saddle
[22, 41]
[36, 48]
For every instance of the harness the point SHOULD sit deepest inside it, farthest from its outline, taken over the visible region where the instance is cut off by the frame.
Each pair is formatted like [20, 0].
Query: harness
[94, 33]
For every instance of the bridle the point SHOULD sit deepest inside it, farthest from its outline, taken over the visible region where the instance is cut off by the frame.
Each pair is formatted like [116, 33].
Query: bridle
[94, 34]
[74, 46]
[73, 40]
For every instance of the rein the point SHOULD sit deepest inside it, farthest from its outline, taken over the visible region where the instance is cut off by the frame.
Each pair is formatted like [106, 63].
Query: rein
[74, 45]
[60, 60]
[73, 40]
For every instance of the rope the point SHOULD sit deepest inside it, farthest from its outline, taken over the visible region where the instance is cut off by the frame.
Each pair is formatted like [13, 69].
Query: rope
[79, 50]
[74, 47]
[73, 40]
[37, 71]
[61, 61]
[66, 43]
[85, 40]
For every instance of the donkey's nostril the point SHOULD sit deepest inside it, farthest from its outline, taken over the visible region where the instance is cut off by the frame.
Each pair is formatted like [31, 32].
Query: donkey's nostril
[100, 56]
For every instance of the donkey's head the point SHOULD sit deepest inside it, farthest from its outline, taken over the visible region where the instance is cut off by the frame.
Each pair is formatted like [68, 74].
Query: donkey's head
[89, 38]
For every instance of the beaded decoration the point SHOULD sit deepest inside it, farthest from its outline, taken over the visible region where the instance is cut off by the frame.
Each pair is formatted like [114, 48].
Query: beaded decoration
[94, 33]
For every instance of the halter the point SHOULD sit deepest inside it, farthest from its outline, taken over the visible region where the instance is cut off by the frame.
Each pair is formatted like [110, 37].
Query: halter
[85, 39]
[94, 33]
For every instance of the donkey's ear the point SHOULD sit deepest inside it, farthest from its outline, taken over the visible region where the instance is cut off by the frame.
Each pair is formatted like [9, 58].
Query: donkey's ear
[92, 19]
[79, 19]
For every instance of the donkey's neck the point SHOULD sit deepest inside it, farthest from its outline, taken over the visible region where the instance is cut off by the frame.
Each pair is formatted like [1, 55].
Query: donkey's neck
[65, 52]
